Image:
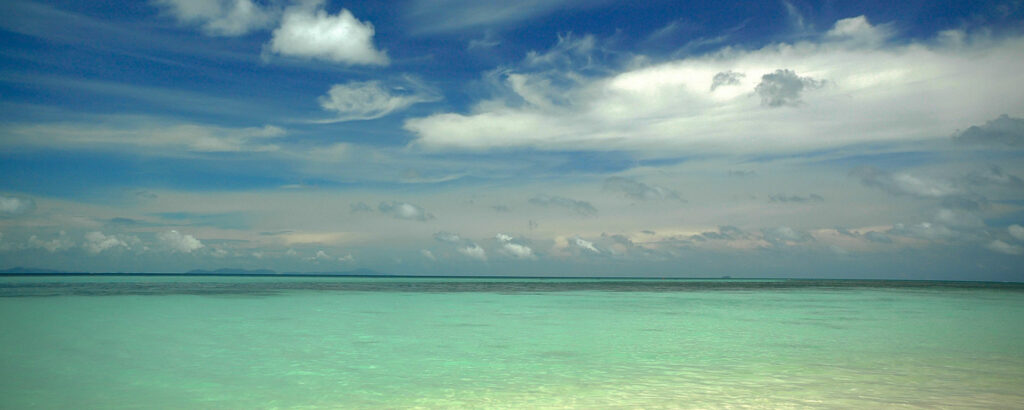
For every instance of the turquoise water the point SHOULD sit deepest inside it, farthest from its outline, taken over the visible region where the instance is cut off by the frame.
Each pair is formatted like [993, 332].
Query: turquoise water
[219, 342]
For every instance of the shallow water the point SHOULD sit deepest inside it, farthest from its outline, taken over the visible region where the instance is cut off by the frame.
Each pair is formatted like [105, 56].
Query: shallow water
[229, 342]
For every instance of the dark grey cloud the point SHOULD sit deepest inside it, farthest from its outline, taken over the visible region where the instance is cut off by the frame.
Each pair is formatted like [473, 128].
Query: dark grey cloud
[638, 190]
[447, 237]
[1004, 130]
[783, 87]
[726, 78]
[359, 207]
[404, 210]
[501, 208]
[724, 233]
[580, 207]
[795, 198]
[994, 176]
[740, 173]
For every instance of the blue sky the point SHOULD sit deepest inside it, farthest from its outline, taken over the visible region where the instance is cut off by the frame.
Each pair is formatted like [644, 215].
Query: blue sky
[577, 138]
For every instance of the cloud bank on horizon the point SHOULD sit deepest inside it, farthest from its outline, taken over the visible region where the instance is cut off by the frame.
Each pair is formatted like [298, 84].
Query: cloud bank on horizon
[798, 139]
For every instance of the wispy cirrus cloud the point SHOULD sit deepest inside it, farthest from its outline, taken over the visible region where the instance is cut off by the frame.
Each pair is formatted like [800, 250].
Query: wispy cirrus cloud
[367, 100]
[441, 16]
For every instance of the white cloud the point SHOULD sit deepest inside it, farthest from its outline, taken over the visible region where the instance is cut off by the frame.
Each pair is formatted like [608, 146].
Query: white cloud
[474, 251]
[178, 242]
[1003, 247]
[96, 242]
[367, 100]
[510, 247]
[1016, 231]
[11, 206]
[584, 244]
[877, 87]
[145, 133]
[403, 210]
[307, 31]
[221, 17]
[857, 31]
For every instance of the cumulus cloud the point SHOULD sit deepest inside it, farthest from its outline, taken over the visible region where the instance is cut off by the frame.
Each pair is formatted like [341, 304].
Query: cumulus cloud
[1004, 130]
[404, 210]
[367, 100]
[428, 254]
[638, 190]
[580, 207]
[1003, 247]
[1016, 231]
[221, 17]
[11, 206]
[307, 31]
[96, 242]
[669, 106]
[324, 256]
[857, 31]
[783, 87]
[511, 246]
[473, 251]
[178, 242]
[726, 78]
[795, 198]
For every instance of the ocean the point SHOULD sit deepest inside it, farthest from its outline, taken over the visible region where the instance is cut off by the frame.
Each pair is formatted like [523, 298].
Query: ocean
[111, 342]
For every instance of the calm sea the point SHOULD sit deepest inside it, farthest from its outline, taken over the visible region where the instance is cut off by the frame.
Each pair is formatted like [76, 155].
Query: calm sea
[273, 342]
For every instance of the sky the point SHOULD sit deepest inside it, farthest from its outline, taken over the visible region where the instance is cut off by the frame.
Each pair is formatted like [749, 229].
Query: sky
[805, 139]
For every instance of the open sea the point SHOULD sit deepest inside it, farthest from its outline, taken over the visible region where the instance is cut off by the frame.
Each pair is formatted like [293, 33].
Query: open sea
[113, 342]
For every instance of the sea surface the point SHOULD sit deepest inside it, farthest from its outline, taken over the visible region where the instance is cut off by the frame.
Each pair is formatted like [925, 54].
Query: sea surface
[311, 342]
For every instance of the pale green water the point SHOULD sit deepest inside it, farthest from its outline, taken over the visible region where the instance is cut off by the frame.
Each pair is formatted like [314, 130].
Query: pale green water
[133, 342]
